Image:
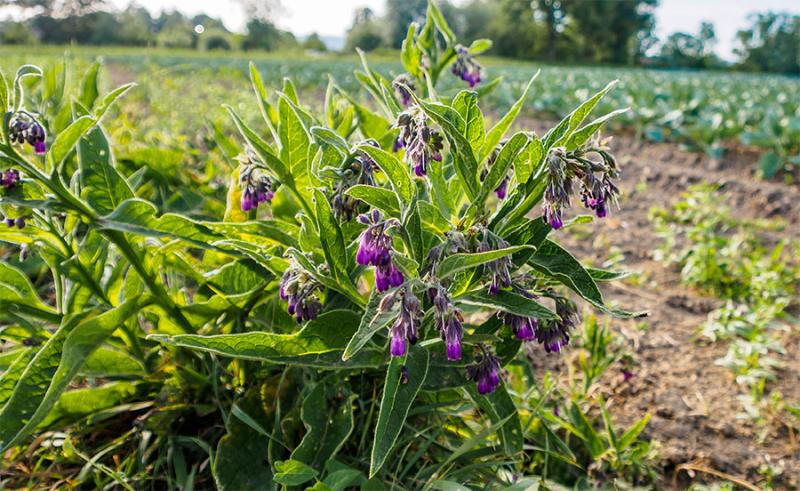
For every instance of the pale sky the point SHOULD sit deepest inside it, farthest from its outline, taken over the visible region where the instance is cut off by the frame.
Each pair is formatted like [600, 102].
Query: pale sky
[333, 17]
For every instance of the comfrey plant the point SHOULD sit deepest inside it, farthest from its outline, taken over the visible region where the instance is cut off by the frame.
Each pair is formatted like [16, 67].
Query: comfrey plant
[396, 245]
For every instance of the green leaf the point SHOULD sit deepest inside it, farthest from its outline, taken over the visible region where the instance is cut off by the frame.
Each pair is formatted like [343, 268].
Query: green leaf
[529, 161]
[328, 417]
[380, 198]
[110, 99]
[553, 260]
[373, 320]
[16, 288]
[103, 187]
[605, 275]
[499, 406]
[453, 126]
[279, 169]
[583, 134]
[293, 473]
[13, 373]
[78, 404]
[509, 302]
[66, 140]
[395, 170]
[410, 55]
[629, 437]
[499, 170]
[436, 15]
[53, 367]
[770, 163]
[23, 72]
[294, 138]
[466, 103]
[330, 235]
[479, 46]
[89, 91]
[396, 402]
[4, 102]
[319, 344]
[564, 130]
[459, 262]
[498, 130]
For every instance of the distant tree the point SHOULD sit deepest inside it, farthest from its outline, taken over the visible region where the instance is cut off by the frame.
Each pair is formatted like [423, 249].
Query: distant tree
[684, 50]
[314, 43]
[135, 27]
[175, 35]
[611, 31]
[262, 35]
[59, 8]
[771, 43]
[365, 32]
[17, 33]
[399, 14]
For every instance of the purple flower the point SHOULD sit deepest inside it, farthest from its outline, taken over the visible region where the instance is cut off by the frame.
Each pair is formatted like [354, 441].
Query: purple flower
[375, 247]
[500, 191]
[24, 128]
[406, 326]
[465, 67]
[403, 87]
[524, 328]
[485, 372]
[256, 187]
[627, 375]
[555, 335]
[448, 320]
[500, 269]
[358, 170]
[422, 143]
[9, 178]
[299, 289]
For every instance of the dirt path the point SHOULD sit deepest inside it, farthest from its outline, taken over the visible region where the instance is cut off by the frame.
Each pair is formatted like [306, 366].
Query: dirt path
[693, 401]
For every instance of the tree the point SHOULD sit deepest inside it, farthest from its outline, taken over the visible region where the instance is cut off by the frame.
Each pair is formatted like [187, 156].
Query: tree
[17, 33]
[611, 31]
[399, 14]
[365, 32]
[684, 50]
[314, 43]
[771, 43]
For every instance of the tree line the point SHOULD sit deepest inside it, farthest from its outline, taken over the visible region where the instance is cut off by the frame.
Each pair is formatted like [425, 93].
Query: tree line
[617, 32]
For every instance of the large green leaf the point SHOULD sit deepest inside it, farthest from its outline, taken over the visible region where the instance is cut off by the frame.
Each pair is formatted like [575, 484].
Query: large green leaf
[510, 302]
[466, 103]
[319, 344]
[456, 263]
[398, 396]
[294, 138]
[50, 371]
[66, 140]
[494, 135]
[380, 198]
[499, 170]
[564, 130]
[373, 320]
[330, 235]
[16, 290]
[327, 414]
[103, 187]
[553, 260]
[77, 404]
[395, 170]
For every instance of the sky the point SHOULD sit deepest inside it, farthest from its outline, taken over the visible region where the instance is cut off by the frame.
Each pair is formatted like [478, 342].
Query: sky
[333, 17]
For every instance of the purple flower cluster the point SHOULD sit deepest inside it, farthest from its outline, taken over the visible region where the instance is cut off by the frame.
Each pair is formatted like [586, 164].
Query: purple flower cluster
[486, 372]
[18, 222]
[9, 178]
[299, 289]
[375, 248]
[448, 320]
[555, 335]
[524, 328]
[500, 269]
[403, 88]
[256, 188]
[25, 129]
[361, 170]
[595, 179]
[465, 67]
[422, 143]
[406, 326]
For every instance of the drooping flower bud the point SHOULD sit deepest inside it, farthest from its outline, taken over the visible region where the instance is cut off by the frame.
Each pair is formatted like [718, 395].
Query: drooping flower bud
[24, 128]
[485, 372]
[423, 144]
[465, 66]
[361, 170]
[448, 320]
[499, 269]
[9, 178]
[375, 248]
[403, 87]
[555, 334]
[406, 326]
[300, 289]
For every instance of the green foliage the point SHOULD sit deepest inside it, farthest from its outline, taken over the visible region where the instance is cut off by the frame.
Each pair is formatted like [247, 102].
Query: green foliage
[151, 324]
[734, 259]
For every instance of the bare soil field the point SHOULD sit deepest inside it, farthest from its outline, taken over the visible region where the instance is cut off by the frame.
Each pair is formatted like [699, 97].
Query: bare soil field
[696, 416]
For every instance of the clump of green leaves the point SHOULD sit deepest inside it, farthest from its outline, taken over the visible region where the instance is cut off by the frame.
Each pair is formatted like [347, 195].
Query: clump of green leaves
[735, 260]
[347, 298]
